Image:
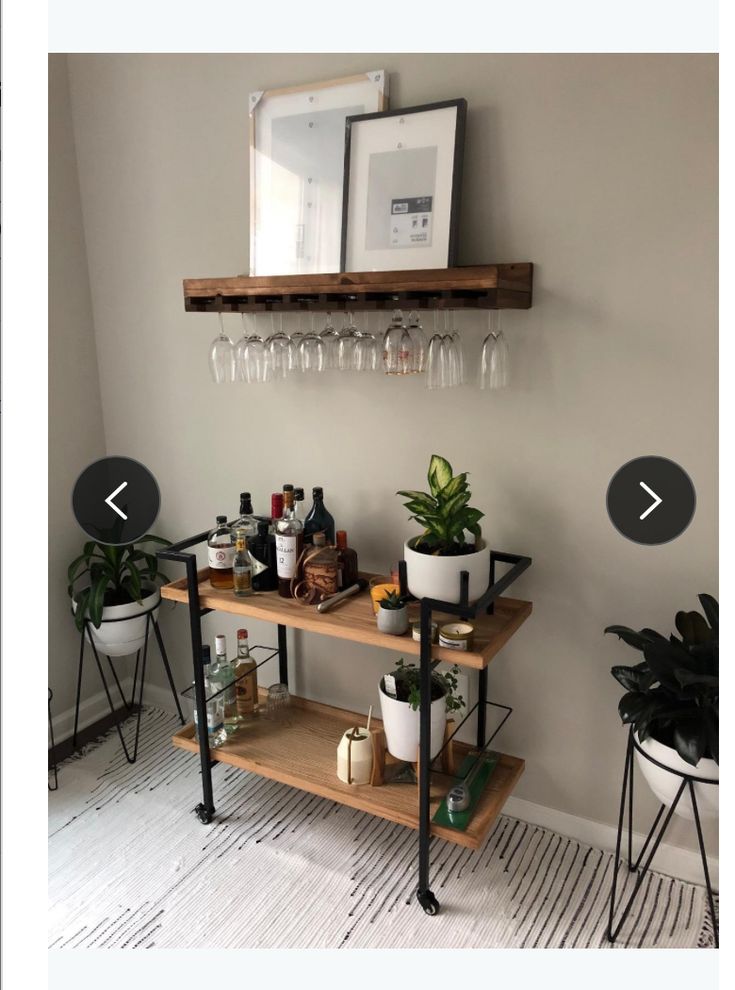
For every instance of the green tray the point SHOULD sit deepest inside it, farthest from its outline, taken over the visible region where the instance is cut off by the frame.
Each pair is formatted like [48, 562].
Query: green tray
[461, 819]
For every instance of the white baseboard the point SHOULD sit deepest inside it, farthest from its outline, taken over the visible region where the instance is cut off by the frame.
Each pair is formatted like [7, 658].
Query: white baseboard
[671, 860]
[91, 710]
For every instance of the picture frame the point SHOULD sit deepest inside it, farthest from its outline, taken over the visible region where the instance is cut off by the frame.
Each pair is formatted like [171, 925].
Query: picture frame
[296, 163]
[403, 176]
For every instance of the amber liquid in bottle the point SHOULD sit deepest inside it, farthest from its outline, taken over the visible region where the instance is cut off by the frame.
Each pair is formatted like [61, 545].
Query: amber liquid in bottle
[289, 543]
[221, 554]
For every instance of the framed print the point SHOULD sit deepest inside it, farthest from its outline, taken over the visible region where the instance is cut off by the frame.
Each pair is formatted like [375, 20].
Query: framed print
[403, 173]
[297, 139]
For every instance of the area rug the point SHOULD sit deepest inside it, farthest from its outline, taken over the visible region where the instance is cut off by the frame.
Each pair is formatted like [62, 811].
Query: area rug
[130, 866]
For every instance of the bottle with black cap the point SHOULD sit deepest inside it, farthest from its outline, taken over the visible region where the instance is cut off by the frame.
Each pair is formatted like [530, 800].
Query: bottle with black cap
[221, 555]
[319, 519]
[247, 520]
[299, 506]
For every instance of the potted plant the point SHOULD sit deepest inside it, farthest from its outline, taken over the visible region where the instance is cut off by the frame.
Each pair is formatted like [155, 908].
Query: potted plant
[392, 614]
[400, 711]
[436, 558]
[117, 583]
[672, 703]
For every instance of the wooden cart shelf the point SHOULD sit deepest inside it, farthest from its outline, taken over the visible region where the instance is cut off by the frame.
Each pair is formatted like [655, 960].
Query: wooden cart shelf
[354, 620]
[505, 286]
[301, 750]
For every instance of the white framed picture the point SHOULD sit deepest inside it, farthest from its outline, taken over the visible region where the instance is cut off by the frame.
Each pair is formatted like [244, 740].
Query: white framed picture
[403, 174]
[297, 142]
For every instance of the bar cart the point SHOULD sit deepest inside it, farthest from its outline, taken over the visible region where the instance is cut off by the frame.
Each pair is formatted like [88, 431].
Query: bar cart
[303, 754]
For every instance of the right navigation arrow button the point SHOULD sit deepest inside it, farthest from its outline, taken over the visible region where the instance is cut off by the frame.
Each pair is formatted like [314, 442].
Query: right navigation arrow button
[656, 500]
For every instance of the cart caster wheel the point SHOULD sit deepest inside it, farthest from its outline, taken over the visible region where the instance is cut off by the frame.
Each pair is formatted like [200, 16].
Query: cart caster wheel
[203, 814]
[428, 902]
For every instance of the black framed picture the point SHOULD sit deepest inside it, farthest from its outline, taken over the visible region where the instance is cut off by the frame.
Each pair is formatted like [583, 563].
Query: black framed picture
[402, 185]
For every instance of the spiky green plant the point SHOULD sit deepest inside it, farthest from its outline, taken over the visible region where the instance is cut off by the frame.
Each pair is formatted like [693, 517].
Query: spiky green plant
[444, 512]
[392, 601]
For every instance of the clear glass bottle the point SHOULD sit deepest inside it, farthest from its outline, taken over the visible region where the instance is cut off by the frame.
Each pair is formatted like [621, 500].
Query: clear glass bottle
[319, 519]
[242, 569]
[221, 553]
[247, 520]
[215, 707]
[299, 505]
[347, 562]
[246, 685]
[289, 541]
[222, 675]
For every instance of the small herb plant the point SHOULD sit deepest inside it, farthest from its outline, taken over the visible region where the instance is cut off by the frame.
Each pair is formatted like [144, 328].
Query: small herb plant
[444, 512]
[673, 695]
[112, 576]
[392, 601]
[408, 686]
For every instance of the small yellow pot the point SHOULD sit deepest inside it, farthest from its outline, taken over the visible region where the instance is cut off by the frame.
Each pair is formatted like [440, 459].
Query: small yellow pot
[379, 591]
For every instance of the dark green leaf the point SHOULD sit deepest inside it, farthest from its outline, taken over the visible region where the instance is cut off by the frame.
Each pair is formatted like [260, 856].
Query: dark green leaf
[638, 640]
[82, 600]
[97, 602]
[711, 610]
[690, 740]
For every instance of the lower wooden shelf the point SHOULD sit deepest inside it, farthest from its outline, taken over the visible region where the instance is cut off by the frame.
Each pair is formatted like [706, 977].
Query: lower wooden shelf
[300, 750]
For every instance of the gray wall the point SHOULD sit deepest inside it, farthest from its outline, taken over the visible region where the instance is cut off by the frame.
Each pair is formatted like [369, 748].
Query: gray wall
[599, 169]
[76, 432]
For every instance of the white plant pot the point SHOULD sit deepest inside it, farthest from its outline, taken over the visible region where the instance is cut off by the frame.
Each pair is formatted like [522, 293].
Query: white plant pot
[665, 785]
[121, 639]
[401, 725]
[439, 577]
[393, 620]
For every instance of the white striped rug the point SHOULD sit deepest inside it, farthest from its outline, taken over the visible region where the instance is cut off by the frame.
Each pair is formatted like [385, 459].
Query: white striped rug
[131, 867]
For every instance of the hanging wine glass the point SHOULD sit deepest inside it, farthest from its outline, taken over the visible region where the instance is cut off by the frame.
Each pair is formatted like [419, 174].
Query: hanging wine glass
[495, 357]
[461, 373]
[240, 352]
[418, 343]
[257, 364]
[222, 357]
[331, 339]
[397, 346]
[346, 344]
[311, 350]
[366, 349]
[278, 345]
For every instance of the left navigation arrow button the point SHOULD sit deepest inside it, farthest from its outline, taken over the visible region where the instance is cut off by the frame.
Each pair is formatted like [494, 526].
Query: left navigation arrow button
[117, 492]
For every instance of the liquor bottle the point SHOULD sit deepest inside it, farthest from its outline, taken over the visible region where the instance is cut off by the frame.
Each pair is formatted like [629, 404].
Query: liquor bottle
[247, 520]
[222, 675]
[299, 504]
[289, 540]
[246, 687]
[263, 548]
[242, 569]
[319, 519]
[347, 559]
[276, 510]
[221, 552]
[215, 707]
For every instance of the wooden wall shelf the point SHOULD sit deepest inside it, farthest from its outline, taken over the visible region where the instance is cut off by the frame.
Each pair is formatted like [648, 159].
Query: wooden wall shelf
[474, 286]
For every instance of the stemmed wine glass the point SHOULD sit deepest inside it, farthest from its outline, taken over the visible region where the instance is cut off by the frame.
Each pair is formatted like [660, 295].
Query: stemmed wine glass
[278, 345]
[257, 363]
[346, 344]
[495, 358]
[331, 339]
[311, 350]
[222, 357]
[398, 347]
[418, 342]
[366, 349]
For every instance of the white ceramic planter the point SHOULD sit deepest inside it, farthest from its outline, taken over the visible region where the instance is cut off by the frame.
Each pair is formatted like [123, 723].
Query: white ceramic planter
[393, 620]
[121, 639]
[439, 577]
[665, 785]
[401, 725]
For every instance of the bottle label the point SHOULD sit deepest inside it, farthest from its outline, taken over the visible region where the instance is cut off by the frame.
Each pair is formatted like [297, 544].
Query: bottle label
[243, 577]
[221, 557]
[286, 555]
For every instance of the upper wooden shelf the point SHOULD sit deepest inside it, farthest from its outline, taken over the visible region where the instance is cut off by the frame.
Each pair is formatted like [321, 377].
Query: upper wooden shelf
[474, 286]
[353, 619]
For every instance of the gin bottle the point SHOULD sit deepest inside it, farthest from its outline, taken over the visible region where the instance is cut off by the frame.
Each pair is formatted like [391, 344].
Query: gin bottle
[215, 707]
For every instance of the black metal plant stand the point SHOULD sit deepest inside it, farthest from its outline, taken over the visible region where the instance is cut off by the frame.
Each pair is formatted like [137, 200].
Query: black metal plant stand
[86, 634]
[54, 767]
[656, 832]
[181, 553]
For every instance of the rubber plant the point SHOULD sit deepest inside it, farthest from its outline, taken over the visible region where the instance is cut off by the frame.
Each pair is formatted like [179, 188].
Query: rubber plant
[112, 576]
[672, 695]
[444, 512]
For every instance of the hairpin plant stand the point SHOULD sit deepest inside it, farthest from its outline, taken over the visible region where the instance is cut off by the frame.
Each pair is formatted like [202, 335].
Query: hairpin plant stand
[54, 767]
[656, 833]
[302, 751]
[87, 636]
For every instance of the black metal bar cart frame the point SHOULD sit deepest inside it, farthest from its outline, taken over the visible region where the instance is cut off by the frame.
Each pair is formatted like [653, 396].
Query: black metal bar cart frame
[182, 553]
[656, 832]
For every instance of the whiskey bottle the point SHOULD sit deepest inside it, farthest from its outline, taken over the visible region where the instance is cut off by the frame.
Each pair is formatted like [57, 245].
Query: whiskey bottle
[263, 548]
[347, 562]
[319, 519]
[221, 553]
[222, 675]
[215, 707]
[247, 520]
[246, 687]
[242, 569]
[289, 540]
[276, 510]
